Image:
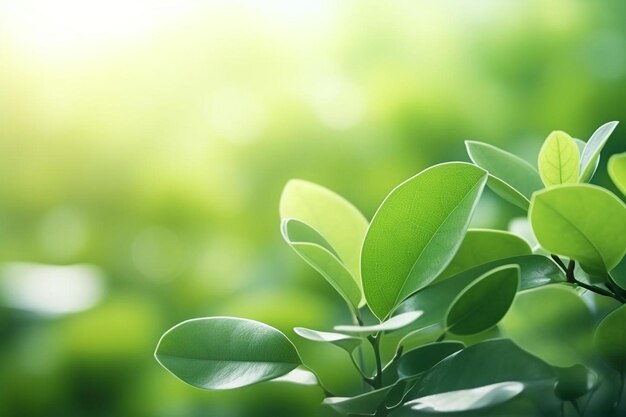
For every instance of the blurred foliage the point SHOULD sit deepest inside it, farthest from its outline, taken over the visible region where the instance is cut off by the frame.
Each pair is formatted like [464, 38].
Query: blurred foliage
[152, 139]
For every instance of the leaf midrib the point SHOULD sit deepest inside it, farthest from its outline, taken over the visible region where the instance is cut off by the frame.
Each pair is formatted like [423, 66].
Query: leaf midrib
[227, 360]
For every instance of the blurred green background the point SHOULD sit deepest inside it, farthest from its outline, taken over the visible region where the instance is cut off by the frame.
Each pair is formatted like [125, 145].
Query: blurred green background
[144, 145]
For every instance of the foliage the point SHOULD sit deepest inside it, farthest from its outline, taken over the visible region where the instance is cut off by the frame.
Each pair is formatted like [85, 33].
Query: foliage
[483, 323]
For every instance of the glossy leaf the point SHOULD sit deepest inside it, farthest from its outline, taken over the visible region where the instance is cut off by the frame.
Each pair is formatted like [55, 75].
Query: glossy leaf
[219, 353]
[298, 376]
[595, 162]
[468, 399]
[332, 216]
[416, 231]
[591, 153]
[617, 171]
[552, 322]
[394, 323]
[364, 404]
[559, 160]
[481, 246]
[421, 359]
[483, 303]
[434, 300]
[484, 363]
[610, 339]
[346, 342]
[325, 262]
[511, 177]
[582, 222]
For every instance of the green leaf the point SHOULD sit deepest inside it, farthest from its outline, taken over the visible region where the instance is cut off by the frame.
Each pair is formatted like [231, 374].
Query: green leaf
[591, 153]
[551, 322]
[219, 353]
[617, 171]
[418, 360]
[416, 232]
[468, 399]
[364, 404]
[435, 300]
[346, 342]
[582, 222]
[323, 261]
[610, 339]
[298, 376]
[482, 304]
[559, 160]
[574, 382]
[484, 363]
[394, 323]
[595, 162]
[340, 223]
[511, 177]
[481, 246]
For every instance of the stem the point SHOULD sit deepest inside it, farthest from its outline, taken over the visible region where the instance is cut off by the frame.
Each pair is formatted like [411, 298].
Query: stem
[375, 342]
[366, 379]
[571, 278]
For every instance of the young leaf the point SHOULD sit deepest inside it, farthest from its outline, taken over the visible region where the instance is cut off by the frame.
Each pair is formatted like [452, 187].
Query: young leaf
[340, 223]
[394, 323]
[617, 171]
[591, 153]
[364, 404]
[219, 353]
[559, 160]
[610, 339]
[482, 304]
[484, 363]
[511, 177]
[582, 222]
[347, 343]
[551, 322]
[594, 162]
[481, 246]
[468, 399]
[323, 261]
[416, 232]
[418, 360]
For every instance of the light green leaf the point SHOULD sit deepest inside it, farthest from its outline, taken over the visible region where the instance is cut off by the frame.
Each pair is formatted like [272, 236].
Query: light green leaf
[416, 232]
[591, 153]
[346, 342]
[485, 363]
[435, 300]
[595, 162]
[617, 171]
[339, 223]
[582, 222]
[481, 246]
[483, 303]
[559, 160]
[364, 404]
[418, 360]
[510, 177]
[195, 351]
[468, 399]
[551, 322]
[322, 260]
[610, 339]
[394, 323]
[298, 376]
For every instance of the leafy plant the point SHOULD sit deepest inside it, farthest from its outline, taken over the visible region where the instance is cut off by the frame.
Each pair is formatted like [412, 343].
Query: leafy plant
[481, 322]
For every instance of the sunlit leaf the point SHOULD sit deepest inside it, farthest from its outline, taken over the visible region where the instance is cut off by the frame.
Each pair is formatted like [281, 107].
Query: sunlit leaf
[610, 339]
[582, 222]
[551, 322]
[484, 302]
[219, 353]
[394, 323]
[468, 399]
[592, 150]
[481, 246]
[617, 171]
[511, 177]
[298, 376]
[416, 232]
[559, 160]
[346, 342]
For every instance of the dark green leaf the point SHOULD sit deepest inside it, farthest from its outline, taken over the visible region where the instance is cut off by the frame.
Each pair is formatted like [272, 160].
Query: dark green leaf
[364, 404]
[484, 302]
[218, 353]
[423, 358]
[574, 382]
[416, 232]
